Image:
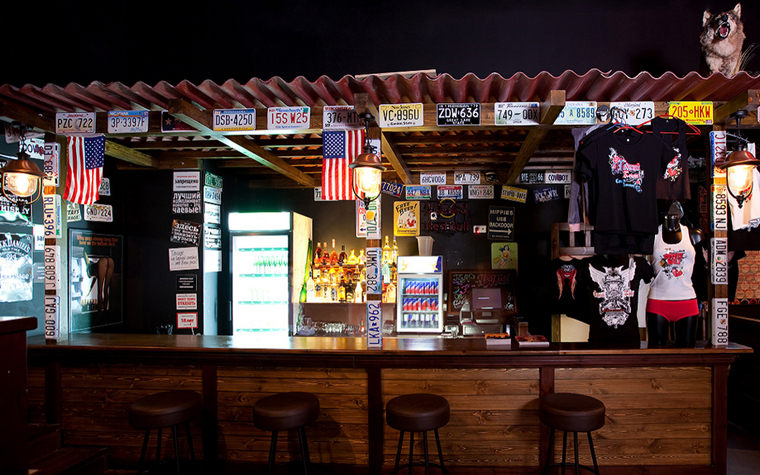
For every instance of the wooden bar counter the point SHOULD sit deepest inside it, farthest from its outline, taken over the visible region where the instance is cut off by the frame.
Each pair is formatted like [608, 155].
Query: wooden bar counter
[666, 407]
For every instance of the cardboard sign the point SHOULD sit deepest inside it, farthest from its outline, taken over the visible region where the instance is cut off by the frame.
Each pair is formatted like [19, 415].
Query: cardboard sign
[501, 223]
[184, 258]
[187, 301]
[187, 320]
[185, 232]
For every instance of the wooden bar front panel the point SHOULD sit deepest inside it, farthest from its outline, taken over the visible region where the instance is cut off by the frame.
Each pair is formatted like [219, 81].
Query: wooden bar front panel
[655, 415]
[494, 415]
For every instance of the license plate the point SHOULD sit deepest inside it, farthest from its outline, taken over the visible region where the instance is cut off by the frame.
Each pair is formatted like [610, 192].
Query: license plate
[51, 220]
[632, 113]
[692, 112]
[74, 123]
[401, 115]
[480, 192]
[127, 122]
[288, 118]
[454, 192]
[373, 270]
[96, 212]
[516, 113]
[514, 194]
[458, 114]
[557, 177]
[234, 119]
[577, 113]
[340, 118]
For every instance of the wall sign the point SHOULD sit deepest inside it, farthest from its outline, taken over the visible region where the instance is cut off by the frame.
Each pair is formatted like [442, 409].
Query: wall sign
[187, 320]
[183, 258]
[187, 181]
[406, 218]
[185, 232]
[501, 223]
[374, 325]
[186, 203]
[212, 237]
[401, 115]
[187, 301]
[467, 113]
[187, 282]
[212, 213]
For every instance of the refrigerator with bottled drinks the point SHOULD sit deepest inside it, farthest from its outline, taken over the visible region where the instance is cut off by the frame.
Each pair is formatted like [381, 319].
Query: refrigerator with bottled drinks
[419, 305]
[269, 254]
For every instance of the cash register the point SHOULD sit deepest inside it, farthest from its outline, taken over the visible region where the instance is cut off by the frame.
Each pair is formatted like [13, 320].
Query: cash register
[484, 312]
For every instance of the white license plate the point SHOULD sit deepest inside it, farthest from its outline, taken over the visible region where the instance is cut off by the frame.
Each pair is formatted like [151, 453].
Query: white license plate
[288, 118]
[577, 113]
[632, 113]
[340, 118]
[127, 122]
[516, 113]
[234, 119]
[96, 212]
[74, 123]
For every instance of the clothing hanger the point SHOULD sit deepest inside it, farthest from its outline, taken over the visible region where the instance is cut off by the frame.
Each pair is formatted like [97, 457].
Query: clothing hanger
[693, 130]
[618, 126]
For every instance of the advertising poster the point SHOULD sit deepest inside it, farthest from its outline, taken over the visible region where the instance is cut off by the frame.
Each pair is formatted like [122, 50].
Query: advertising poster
[186, 203]
[95, 264]
[16, 270]
[406, 218]
[504, 255]
[186, 232]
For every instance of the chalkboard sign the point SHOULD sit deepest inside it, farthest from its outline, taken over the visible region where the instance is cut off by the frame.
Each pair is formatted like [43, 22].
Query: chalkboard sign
[461, 283]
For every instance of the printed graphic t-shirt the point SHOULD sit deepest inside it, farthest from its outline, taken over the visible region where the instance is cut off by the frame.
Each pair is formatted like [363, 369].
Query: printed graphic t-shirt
[673, 266]
[613, 295]
[622, 171]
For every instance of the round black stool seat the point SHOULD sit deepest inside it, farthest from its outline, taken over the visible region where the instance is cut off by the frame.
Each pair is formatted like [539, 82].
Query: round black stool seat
[165, 409]
[571, 412]
[285, 411]
[417, 412]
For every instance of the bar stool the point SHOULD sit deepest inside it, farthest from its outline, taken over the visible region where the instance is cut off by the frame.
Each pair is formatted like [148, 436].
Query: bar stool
[571, 413]
[418, 413]
[286, 411]
[166, 409]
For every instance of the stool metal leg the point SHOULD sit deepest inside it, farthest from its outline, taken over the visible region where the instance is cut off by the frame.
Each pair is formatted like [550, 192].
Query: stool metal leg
[425, 451]
[304, 449]
[142, 454]
[272, 448]
[158, 447]
[190, 441]
[548, 452]
[176, 447]
[564, 451]
[593, 454]
[411, 450]
[440, 452]
[398, 452]
[575, 441]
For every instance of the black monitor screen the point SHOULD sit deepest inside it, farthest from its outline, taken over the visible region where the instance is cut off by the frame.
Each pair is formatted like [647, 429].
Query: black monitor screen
[486, 299]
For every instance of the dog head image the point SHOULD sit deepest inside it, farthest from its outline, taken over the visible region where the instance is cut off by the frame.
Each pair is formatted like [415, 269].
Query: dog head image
[722, 39]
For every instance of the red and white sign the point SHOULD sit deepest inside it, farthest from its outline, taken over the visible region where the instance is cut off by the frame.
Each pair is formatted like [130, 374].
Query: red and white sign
[187, 320]
[187, 301]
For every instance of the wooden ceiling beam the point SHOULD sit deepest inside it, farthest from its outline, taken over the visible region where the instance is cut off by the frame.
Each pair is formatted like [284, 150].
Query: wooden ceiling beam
[129, 155]
[747, 100]
[394, 157]
[550, 110]
[202, 121]
[25, 115]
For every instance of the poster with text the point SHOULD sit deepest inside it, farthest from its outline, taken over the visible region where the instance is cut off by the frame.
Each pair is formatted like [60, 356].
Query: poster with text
[16, 270]
[406, 218]
[95, 266]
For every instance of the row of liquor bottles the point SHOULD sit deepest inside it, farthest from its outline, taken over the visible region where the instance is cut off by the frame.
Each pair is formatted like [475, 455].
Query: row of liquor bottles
[324, 257]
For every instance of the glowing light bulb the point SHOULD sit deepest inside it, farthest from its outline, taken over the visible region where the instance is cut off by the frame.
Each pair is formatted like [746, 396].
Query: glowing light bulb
[21, 184]
[368, 180]
[740, 178]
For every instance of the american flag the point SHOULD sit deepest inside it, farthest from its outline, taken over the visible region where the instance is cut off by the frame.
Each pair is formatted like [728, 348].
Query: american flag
[85, 170]
[339, 148]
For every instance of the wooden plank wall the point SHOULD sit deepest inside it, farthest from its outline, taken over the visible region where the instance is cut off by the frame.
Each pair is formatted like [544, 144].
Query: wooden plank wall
[494, 415]
[339, 436]
[655, 416]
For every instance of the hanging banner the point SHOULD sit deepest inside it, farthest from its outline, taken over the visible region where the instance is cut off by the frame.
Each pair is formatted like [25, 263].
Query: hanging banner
[16, 269]
[501, 223]
[406, 218]
[186, 232]
[186, 203]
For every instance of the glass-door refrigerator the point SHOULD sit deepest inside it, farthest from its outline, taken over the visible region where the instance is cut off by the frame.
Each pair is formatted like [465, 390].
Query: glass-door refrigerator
[420, 294]
[269, 252]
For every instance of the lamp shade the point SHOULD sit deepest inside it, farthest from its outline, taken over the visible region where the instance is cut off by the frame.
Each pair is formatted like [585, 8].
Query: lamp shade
[368, 173]
[21, 177]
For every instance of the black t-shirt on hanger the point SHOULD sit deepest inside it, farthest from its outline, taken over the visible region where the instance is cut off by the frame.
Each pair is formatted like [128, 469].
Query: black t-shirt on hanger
[674, 183]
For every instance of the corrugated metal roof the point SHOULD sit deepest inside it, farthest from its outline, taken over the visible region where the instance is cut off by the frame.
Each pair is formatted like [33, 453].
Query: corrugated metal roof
[594, 85]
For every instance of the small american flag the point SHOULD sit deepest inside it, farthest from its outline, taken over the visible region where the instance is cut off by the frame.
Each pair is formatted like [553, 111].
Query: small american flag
[85, 171]
[339, 148]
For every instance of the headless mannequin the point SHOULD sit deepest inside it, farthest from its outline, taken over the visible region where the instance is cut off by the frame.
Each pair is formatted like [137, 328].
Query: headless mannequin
[685, 329]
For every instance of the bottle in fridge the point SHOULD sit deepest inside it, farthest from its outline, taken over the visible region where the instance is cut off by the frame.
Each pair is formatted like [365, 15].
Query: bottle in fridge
[419, 302]
[269, 264]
